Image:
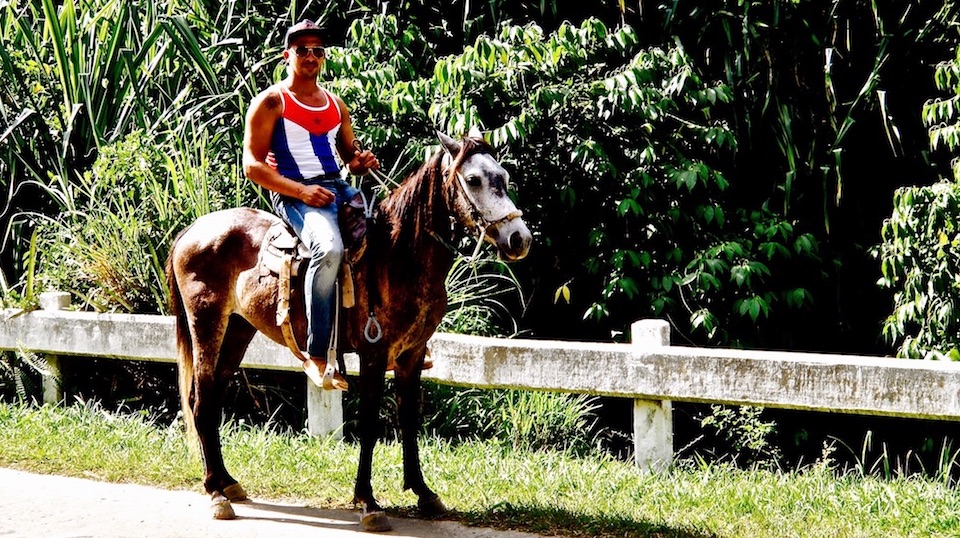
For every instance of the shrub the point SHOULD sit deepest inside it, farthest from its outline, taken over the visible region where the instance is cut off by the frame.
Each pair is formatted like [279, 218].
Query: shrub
[109, 250]
[920, 259]
[920, 250]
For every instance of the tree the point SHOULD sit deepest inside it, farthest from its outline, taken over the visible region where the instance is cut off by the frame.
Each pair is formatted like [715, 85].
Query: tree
[920, 253]
[614, 147]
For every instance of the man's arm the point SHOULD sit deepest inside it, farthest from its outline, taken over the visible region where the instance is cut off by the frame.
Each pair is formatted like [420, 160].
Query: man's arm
[265, 110]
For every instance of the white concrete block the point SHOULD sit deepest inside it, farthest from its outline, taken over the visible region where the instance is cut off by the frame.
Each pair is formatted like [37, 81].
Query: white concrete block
[52, 381]
[652, 419]
[55, 300]
[653, 434]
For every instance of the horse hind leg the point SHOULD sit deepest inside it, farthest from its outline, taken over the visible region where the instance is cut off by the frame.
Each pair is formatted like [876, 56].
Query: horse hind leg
[219, 347]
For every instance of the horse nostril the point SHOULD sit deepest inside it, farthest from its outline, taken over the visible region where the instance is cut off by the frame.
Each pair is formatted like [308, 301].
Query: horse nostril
[516, 241]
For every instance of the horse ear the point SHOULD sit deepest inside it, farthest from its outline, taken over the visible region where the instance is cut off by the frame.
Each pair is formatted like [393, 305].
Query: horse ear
[449, 144]
[475, 133]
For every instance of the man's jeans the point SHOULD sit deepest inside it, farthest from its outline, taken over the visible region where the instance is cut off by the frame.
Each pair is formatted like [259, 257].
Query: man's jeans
[317, 227]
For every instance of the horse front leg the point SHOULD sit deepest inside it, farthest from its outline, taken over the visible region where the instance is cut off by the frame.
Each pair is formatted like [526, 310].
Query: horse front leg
[408, 401]
[371, 385]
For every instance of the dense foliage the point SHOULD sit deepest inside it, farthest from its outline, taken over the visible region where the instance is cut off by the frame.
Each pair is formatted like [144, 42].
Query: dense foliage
[921, 259]
[615, 148]
[726, 169]
[920, 253]
[80, 76]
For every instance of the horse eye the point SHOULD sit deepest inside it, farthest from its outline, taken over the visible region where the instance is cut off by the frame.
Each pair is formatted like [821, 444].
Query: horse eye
[473, 181]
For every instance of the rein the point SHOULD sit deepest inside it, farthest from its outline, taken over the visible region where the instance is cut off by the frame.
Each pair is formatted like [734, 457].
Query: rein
[372, 331]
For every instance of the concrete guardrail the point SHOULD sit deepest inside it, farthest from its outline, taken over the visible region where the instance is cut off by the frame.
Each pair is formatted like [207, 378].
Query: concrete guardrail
[648, 371]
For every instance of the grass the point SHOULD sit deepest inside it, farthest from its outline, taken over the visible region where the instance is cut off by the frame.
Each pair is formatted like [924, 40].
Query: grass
[487, 484]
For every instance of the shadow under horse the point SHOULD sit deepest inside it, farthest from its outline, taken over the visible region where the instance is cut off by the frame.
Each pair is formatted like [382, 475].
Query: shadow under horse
[221, 298]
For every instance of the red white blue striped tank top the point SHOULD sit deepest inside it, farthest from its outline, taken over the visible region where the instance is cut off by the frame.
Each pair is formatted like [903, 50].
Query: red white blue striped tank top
[304, 141]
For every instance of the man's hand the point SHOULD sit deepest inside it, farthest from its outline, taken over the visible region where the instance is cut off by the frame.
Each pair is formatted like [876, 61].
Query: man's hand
[363, 162]
[315, 195]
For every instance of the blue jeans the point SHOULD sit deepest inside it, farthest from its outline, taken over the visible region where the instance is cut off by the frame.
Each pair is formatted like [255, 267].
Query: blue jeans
[319, 230]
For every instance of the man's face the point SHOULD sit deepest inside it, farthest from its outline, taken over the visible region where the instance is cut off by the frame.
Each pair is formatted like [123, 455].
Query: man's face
[306, 55]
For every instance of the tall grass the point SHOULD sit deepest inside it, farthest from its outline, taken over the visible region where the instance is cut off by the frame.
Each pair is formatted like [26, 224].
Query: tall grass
[80, 75]
[519, 420]
[110, 251]
[481, 295]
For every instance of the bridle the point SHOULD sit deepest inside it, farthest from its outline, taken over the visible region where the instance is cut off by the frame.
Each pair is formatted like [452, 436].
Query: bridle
[482, 224]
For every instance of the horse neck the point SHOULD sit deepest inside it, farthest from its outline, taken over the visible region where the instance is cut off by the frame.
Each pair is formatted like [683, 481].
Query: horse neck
[417, 215]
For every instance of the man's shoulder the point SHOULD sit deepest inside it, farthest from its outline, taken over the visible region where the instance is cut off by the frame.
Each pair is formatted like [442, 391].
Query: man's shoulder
[270, 98]
[333, 94]
[336, 98]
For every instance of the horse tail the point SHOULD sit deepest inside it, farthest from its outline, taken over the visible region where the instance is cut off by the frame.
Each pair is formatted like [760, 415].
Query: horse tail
[184, 346]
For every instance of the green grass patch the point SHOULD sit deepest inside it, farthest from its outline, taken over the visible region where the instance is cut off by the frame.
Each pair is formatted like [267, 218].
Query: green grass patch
[486, 483]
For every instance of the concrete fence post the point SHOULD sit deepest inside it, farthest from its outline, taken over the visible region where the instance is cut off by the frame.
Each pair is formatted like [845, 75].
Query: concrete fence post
[52, 381]
[652, 419]
[325, 407]
[324, 411]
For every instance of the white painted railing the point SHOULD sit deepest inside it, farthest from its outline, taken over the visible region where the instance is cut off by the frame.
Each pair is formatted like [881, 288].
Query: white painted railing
[648, 371]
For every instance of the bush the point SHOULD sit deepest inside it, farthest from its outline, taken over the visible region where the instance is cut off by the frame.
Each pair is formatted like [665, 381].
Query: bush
[108, 248]
[920, 259]
[740, 434]
[920, 252]
[623, 140]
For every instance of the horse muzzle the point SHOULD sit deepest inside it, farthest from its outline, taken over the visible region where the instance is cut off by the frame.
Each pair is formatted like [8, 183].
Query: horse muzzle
[512, 238]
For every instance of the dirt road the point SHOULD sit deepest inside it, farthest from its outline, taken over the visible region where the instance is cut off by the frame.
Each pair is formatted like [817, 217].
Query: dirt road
[43, 506]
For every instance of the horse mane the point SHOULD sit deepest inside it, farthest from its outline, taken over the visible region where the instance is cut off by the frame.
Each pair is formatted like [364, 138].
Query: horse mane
[419, 205]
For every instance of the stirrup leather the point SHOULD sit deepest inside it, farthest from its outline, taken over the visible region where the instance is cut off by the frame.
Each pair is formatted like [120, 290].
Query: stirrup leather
[283, 308]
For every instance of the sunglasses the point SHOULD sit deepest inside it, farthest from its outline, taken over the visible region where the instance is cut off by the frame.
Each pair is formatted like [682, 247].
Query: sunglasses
[318, 52]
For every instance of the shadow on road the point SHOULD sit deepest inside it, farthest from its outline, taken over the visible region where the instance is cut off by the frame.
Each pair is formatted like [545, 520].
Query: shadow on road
[299, 515]
[551, 521]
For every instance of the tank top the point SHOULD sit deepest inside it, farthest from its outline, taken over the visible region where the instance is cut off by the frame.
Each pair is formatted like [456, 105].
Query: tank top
[304, 143]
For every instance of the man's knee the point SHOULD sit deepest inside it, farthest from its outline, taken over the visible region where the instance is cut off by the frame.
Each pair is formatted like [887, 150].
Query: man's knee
[327, 252]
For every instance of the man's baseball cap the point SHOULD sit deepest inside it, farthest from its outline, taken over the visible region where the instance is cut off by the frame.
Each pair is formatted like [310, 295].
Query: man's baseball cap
[302, 28]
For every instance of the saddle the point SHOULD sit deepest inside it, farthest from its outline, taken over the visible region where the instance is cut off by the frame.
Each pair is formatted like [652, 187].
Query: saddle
[283, 254]
[281, 246]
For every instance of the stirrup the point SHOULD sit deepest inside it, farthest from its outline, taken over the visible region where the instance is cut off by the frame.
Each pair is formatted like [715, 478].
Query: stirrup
[327, 380]
[330, 381]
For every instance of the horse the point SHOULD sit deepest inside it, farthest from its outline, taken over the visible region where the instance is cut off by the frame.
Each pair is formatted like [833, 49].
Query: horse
[220, 298]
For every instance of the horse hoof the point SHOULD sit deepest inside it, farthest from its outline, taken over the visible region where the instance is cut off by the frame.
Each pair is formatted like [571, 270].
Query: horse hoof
[235, 493]
[432, 506]
[221, 507]
[375, 522]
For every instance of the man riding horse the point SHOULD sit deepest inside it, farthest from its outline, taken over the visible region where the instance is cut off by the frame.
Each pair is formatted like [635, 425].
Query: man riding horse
[222, 291]
[297, 135]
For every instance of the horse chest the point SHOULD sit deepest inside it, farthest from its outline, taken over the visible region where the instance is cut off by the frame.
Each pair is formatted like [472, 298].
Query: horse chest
[421, 299]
